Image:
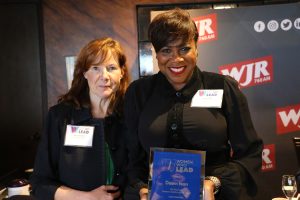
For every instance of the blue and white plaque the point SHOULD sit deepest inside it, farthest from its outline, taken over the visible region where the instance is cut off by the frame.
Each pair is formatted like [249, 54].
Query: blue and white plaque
[176, 174]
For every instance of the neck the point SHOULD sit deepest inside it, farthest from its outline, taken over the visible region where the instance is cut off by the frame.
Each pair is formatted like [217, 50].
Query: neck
[178, 87]
[99, 106]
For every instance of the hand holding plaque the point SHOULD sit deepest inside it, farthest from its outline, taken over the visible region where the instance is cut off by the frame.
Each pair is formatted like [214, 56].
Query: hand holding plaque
[176, 174]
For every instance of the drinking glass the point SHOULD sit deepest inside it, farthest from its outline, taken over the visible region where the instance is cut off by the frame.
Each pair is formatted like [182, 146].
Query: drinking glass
[289, 186]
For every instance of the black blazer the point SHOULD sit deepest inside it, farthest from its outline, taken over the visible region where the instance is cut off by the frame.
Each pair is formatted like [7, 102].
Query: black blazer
[79, 168]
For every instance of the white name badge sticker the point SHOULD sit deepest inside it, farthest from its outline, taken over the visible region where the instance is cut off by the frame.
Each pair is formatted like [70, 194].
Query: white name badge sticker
[208, 99]
[81, 136]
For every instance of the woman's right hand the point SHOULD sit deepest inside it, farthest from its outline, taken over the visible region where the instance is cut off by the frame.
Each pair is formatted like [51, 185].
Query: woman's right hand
[209, 187]
[105, 192]
[143, 194]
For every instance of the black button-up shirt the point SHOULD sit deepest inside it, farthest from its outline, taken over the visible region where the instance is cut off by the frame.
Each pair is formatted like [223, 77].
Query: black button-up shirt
[159, 116]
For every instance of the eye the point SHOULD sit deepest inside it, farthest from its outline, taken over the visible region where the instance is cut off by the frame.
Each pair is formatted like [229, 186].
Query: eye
[184, 50]
[165, 50]
[111, 68]
[95, 68]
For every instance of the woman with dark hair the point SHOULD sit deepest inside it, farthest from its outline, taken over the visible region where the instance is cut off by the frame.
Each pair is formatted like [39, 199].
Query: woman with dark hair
[82, 154]
[167, 110]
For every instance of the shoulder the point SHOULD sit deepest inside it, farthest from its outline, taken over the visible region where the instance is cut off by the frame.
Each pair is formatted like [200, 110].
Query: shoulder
[212, 75]
[218, 80]
[60, 110]
[138, 93]
[143, 83]
[61, 107]
[212, 80]
[142, 87]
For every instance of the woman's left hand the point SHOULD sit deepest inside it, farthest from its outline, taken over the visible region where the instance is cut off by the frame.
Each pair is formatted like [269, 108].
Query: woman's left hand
[143, 193]
[209, 188]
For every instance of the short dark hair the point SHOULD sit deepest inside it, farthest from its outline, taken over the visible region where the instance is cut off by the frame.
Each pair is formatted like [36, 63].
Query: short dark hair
[170, 26]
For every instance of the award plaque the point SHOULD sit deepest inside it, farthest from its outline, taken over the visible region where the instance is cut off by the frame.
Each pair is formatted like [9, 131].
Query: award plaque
[176, 174]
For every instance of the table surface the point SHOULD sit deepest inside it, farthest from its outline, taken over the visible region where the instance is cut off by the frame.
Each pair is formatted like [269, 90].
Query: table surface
[3, 196]
[283, 198]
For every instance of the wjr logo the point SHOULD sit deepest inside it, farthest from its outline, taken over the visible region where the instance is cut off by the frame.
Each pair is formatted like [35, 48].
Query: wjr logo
[268, 158]
[288, 119]
[207, 27]
[251, 72]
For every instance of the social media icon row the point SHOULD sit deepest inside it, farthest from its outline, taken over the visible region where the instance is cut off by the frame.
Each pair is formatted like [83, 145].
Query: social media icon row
[274, 25]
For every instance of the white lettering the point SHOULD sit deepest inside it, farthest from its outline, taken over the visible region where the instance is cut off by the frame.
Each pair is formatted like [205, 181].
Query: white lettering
[237, 74]
[183, 184]
[260, 72]
[265, 156]
[292, 115]
[171, 183]
[260, 80]
[204, 26]
[248, 74]
[184, 169]
[260, 68]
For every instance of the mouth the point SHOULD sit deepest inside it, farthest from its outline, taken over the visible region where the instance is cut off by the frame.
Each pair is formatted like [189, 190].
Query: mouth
[104, 86]
[177, 70]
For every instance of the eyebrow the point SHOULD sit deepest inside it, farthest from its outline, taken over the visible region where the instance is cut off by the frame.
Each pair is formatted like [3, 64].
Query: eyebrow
[111, 64]
[102, 65]
[178, 46]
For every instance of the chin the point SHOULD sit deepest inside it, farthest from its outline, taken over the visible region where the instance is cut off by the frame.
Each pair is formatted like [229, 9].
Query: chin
[106, 94]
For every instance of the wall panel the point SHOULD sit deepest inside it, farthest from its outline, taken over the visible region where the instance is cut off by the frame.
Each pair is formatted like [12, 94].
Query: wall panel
[68, 25]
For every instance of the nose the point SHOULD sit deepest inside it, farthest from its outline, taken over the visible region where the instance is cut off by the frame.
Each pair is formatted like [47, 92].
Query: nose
[176, 55]
[103, 75]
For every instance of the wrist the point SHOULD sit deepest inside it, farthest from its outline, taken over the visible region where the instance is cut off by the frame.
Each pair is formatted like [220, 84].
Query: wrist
[139, 185]
[216, 181]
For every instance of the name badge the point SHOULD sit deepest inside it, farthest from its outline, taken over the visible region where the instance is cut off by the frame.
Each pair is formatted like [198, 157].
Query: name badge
[81, 136]
[208, 99]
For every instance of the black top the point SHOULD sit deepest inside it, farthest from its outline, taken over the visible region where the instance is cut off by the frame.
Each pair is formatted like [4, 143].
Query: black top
[158, 116]
[81, 168]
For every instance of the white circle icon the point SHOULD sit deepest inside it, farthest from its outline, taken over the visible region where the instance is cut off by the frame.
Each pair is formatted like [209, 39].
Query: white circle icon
[259, 26]
[297, 23]
[273, 25]
[286, 24]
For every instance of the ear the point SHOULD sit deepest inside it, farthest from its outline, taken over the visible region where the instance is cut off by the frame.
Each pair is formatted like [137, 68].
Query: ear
[84, 74]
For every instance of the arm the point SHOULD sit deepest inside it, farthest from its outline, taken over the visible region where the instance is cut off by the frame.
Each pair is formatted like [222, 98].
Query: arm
[246, 145]
[44, 179]
[137, 166]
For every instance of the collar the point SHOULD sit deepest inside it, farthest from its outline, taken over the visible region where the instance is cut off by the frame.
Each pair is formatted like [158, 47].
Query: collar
[80, 115]
[187, 92]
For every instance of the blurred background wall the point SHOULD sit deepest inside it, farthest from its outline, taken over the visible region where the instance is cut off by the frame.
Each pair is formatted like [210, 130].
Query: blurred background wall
[36, 36]
[70, 24]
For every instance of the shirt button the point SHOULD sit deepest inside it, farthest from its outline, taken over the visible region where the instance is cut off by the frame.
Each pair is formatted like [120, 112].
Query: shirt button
[174, 126]
[113, 148]
[175, 136]
[178, 94]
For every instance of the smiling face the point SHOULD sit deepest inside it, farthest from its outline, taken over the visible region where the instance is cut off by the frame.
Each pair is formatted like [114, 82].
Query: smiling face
[104, 78]
[177, 61]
